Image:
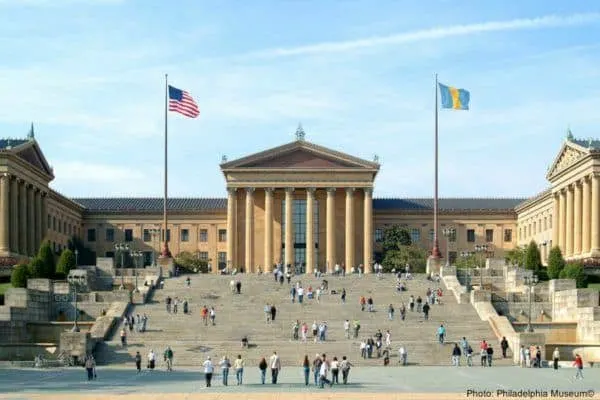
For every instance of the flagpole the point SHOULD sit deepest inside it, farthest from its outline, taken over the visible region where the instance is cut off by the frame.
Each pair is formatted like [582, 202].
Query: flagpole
[435, 253]
[165, 251]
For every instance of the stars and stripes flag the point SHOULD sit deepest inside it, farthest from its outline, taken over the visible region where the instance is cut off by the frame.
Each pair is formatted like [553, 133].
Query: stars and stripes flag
[180, 101]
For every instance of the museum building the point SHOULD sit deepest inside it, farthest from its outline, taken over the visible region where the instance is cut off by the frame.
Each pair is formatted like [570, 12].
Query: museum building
[300, 204]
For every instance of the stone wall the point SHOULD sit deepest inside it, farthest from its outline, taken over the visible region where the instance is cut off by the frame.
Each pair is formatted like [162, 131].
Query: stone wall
[519, 311]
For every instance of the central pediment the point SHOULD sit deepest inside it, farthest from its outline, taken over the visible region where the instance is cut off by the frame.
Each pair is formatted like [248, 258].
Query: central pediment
[300, 155]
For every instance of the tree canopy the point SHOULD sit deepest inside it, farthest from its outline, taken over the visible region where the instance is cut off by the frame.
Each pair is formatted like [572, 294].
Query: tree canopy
[516, 256]
[66, 262]
[19, 275]
[533, 258]
[574, 271]
[191, 263]
[556, 263]
[395, 236]
[48, 264]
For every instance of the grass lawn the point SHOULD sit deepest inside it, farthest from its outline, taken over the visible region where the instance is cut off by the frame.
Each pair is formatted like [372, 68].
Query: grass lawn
[4, 287]
[590, 285]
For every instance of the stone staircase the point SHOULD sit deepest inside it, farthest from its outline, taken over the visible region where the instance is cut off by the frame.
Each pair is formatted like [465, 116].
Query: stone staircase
[243, 315]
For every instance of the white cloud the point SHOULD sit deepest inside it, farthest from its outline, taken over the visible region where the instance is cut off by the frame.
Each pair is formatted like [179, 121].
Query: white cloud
[548, 21]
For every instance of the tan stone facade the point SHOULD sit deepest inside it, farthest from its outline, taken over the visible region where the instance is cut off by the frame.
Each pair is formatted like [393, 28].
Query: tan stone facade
[332, 219]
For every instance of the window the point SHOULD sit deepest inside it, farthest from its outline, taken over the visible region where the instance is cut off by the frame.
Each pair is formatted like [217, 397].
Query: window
[520, 233]
[489, 235]
[110, 235]
[222, 235]
[49, 221]
[91, 235]
[65, 227]
[378, 235]
[203, 236]
[129, 235]
[534, 230]
[162, 235]
[110, 254]
[203, 255]
[222, 260]
[54, 223]
[147, 236]
[185, 235]
[471, 235]
[550, 222]
[431, 236]
[59, 226]
[70, 229]
[415, 235]
[508, 235]
[147, 255]
[529, 230]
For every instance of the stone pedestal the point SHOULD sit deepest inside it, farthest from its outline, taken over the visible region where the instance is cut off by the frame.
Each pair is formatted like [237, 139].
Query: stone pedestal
[433, 265]
[167, 266]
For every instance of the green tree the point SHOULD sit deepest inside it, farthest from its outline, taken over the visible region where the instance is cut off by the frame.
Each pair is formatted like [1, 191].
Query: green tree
[465, 262]
[533, 258]
[85, 256]
[191, 263]
[36, 268]
[574, 271]
[398, 258]
[394, 237]
[19, 275]
[556, 263]
[66, 262]
[515, 256]
[46, 255]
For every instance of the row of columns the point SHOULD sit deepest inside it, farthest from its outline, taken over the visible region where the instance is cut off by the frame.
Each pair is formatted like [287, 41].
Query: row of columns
[23, 210]
[576, 218]
[330, 241]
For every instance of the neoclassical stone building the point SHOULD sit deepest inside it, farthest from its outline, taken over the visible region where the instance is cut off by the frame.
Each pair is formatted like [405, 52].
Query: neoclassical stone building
[300, 204]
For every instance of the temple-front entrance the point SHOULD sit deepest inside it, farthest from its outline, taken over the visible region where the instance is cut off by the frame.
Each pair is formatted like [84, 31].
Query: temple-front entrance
[299, 219]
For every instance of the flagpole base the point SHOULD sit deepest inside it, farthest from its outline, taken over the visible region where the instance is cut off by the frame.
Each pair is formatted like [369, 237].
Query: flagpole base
[166, 253]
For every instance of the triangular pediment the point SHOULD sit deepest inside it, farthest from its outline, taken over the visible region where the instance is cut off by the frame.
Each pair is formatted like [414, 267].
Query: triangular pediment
[32, 154]
[569, 154]
[300, 155]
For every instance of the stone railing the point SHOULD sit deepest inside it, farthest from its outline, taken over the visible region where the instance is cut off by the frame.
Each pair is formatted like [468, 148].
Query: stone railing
[460, 293]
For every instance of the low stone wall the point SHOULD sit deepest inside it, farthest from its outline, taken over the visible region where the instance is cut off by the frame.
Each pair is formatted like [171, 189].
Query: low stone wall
[449, 278]
[49, 332]
[27, 351]
[104, 325]
[556, 332]
[520, 311]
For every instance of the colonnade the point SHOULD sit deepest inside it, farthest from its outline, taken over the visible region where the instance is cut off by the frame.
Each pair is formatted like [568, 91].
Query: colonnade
[331, 258]
[576, 218]
[23, 221]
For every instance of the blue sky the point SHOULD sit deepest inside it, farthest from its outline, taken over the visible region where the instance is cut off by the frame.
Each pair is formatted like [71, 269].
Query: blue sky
[359, 75]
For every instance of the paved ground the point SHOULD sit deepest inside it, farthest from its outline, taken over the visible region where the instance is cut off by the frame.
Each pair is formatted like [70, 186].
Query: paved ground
[379, 382]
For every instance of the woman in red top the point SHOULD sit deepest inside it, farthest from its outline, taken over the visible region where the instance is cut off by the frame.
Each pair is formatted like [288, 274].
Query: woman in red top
[579, 364]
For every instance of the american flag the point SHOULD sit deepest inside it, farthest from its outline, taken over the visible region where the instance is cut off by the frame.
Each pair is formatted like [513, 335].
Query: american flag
[180, 101]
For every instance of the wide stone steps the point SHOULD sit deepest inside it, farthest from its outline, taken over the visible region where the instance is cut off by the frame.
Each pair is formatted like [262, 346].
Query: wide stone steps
[242, 315]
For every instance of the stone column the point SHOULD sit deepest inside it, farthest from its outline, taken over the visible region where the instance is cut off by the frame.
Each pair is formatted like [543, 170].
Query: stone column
[577, 218]
[289, 229]
[45, 217]
[231, 234]
[330, 230]
[31, 250]
[4, 213]
[249, 259]
[562, 222]
[22, 218]
[585, 219]
[555, 218]
[14, 215]
[569, 222]
[349, 239]
[595, 217]
[268, 267]
[39, 235]
[368, 230]
[310, 234]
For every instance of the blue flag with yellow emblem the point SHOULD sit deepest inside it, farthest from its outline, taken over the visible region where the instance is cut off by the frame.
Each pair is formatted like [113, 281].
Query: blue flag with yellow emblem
[451, 97]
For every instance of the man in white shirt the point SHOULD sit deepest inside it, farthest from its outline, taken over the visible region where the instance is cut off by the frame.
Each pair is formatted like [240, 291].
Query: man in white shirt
[347, 329]
[275, 365]
[300, 291]
[208, 370]
[324, 371]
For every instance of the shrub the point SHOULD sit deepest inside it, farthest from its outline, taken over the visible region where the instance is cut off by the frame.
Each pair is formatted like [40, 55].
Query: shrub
[36, 268]
[66, 262]
[574, 271]
[48, 265]
[556, 262]
[19, 275]
[533, 258]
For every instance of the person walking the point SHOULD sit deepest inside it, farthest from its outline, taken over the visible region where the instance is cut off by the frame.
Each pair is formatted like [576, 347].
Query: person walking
[555, 358]
[225, 365]
[456, 355]
[343, 296]
[426, 311]
[390, 312]
[469, 355]
[504, 346]
[151, 359]
[238, 365]
[317, 368]
[168, 358]
[335, 371]
[123, 337]
[262, 366]
[138, 361]
[208, 370]
[273, 312]
[275, 364]
[578, 363]
[306, 369]
[323, 372]
[90, 365]
[441, 333]
[345, 367]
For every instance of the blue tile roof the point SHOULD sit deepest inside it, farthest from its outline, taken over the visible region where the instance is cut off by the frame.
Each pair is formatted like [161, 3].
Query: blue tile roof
[13, 143]
[146, 204]
[155, 204]
[447, 204]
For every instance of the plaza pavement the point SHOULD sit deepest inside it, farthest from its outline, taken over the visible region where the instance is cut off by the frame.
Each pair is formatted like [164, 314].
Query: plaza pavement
[365, 383]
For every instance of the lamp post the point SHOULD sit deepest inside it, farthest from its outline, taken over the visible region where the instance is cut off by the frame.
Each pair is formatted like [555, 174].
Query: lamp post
[74, 281]
[530, 281]
[481, 249]
[122, 248]
[449, 233]
[467, 255]
[76, 258]
[136, 255]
